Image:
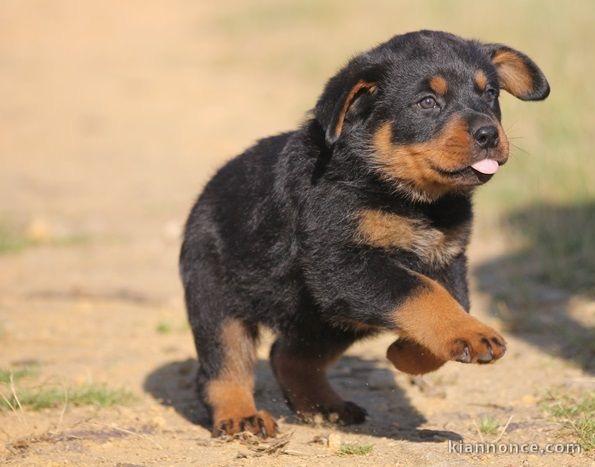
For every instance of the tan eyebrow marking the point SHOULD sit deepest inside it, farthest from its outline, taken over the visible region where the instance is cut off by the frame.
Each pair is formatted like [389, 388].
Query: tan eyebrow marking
[439, 85]
[481, 80]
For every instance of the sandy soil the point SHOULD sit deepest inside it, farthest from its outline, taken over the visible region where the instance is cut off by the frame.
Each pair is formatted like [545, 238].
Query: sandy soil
[111, 119]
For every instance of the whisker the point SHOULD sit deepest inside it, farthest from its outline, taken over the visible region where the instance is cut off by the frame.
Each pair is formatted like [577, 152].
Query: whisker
[518, 148]
[510, 127]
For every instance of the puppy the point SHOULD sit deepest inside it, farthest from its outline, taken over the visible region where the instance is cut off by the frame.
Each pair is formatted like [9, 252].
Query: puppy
[353, 224]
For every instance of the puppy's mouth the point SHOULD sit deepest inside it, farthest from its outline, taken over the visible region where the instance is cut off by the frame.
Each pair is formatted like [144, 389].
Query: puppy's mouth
[475, 174]
[486, 166]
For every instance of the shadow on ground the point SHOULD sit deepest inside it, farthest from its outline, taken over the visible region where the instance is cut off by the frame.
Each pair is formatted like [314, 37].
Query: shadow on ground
[532, 289]
[390, 412]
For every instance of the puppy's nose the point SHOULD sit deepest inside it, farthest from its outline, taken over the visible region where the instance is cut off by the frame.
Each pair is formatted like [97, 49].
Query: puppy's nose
[487, 137]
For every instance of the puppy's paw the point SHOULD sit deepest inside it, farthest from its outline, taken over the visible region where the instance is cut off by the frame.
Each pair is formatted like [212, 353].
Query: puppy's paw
[350, 414]
[412, 358]
[344, 413]
[261, 424]
[477, 344]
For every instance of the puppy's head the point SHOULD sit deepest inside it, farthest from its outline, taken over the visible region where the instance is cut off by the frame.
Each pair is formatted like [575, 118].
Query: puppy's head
[422, 109]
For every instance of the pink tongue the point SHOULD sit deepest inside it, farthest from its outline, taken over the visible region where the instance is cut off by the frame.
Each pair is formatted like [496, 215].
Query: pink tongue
[486, 166]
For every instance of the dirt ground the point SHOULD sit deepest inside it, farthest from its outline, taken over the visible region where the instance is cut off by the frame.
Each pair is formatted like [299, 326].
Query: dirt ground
[112, 116]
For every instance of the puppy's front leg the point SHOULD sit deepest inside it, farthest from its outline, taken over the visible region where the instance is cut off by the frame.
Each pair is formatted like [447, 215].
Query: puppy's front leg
[431, 318]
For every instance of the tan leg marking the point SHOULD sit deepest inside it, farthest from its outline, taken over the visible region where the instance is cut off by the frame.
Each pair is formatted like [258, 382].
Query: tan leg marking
[435, 320]
[231, 394]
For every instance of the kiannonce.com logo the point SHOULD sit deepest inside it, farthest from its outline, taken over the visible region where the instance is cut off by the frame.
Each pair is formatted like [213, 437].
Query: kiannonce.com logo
[460, 447]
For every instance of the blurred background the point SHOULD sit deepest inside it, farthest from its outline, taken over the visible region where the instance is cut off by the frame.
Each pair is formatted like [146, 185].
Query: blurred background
[113, 115]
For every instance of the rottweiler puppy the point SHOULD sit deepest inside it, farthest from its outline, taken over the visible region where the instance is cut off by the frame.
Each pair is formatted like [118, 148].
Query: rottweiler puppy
[355, 223]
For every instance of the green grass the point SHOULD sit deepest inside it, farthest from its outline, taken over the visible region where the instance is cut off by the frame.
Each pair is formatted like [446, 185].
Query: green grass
[71, 240]
[14, 239]
[576, 413]
[166, 327]
[17, 373]
[488, 425]
[98, 395]
[163, 327]
[355, 449]
[11, 240]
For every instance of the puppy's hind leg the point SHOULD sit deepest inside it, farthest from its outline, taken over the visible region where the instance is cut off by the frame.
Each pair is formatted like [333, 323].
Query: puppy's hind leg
[300, 370]
[226, 379]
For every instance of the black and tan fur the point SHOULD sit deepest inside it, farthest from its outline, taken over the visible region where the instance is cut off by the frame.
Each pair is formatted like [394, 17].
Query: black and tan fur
[355, 223]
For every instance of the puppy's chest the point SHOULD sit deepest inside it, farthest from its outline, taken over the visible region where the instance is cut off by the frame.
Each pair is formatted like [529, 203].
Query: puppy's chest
[433, 246]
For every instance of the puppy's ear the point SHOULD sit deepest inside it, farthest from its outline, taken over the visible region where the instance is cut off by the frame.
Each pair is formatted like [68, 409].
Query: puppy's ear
[517, 73]
[346, 97]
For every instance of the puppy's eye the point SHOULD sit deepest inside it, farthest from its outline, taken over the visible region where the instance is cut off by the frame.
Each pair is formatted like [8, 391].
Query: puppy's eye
[491, 93]
[428, 103]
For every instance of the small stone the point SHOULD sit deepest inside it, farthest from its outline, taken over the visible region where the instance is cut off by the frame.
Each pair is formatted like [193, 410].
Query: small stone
[528, 399]
[381, 379]
[333, 417]
[319, 439]
[38, 230]
[334, 441]
[317, 419]
[158, 422]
